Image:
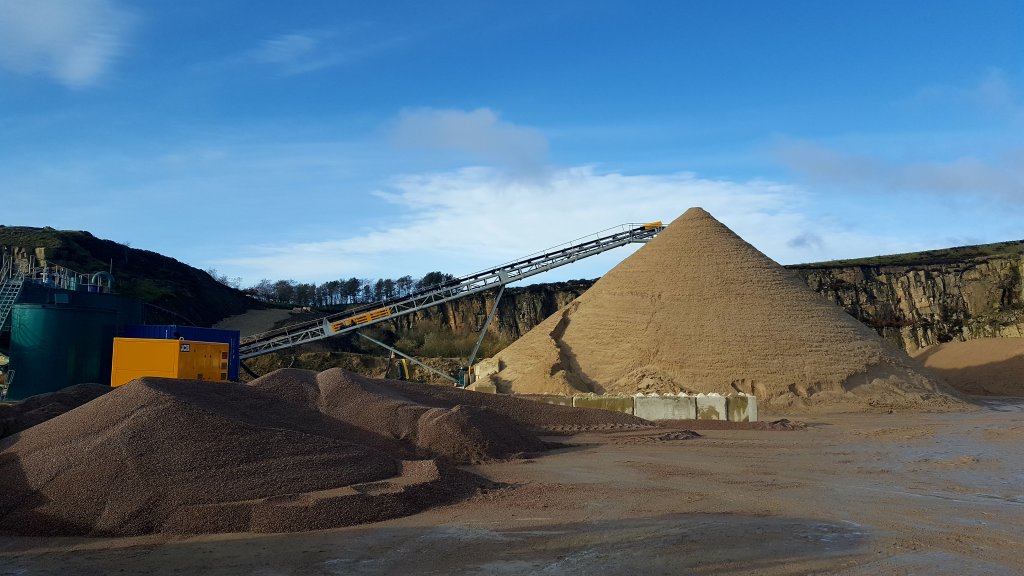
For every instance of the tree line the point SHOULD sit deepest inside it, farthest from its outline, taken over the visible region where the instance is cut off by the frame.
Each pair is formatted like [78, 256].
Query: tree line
[341, 292]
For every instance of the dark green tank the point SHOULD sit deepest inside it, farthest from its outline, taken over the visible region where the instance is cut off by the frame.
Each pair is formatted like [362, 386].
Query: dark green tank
[54, 346]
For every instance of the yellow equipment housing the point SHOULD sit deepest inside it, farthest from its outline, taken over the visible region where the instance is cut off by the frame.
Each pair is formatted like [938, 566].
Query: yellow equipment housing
[138, 357]
[361, 318]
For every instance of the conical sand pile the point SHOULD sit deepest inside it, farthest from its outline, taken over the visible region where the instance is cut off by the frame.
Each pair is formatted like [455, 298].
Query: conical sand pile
[698, 309]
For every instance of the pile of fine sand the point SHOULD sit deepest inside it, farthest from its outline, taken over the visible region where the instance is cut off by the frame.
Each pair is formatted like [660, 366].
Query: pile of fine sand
[985, 367]
[294, 450]
[698, 309]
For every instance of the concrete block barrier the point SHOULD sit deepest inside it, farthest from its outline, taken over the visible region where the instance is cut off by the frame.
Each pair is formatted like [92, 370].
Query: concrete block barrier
[615, 403]
[710, 407]
[741, 407]
[549, 399]
[665, 407]
[735, 407]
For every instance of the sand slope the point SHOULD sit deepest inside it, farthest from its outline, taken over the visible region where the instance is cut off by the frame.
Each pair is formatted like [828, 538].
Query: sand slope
[986, 366]
[700, 310]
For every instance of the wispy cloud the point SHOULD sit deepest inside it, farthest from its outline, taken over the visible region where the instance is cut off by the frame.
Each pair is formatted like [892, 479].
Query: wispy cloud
[479, 135]
[74, 42]
[300, 52]
[992, 93]
[1001, 178]
[286, 49]
[469, 219]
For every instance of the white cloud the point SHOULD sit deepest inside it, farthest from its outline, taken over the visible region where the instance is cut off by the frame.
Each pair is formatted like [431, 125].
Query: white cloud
[286, 49]
[72, 41]
[477, 134]
[1002, 178]
[300, 52]
[474, 218]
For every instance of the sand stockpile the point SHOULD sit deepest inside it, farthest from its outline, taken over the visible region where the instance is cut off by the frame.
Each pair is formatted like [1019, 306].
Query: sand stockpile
[294, 450]
[698, 309]
[986, 366]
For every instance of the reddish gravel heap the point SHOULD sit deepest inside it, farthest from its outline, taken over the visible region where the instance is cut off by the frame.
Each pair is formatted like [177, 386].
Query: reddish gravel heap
[40, 408]
[295, 450]
[435, 422]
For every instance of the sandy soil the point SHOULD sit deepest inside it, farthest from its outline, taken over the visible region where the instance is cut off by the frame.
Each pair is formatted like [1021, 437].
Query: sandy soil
[852, 494]
[986, 366]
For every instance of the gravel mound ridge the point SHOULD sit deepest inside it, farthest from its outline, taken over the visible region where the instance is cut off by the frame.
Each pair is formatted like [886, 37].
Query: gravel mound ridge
[294, 450]
[435, 422]
[41, 407]
[698, 309]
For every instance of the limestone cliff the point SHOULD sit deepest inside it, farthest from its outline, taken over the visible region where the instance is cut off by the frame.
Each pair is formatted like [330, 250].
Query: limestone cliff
[519, 310]
[913, 300]
[916, 300]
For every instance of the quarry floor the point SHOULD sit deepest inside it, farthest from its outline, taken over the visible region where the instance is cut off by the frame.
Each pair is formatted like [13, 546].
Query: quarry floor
[851, 494]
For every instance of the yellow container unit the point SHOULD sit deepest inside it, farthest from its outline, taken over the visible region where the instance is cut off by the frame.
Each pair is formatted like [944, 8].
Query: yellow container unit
[138, 357]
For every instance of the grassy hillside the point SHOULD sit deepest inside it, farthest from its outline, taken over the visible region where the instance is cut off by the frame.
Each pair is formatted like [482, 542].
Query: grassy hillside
[190, 294]
[929, 257]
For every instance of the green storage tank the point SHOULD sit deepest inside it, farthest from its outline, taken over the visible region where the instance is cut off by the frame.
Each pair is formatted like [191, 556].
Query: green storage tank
[54, 346]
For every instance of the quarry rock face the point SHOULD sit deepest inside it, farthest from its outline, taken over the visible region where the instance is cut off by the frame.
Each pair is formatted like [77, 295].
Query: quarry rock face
[519, 310]
[919, 306]
[698, 309]
[911, 306]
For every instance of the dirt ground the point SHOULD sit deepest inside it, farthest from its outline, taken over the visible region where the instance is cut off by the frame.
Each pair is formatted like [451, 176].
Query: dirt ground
[851, 494]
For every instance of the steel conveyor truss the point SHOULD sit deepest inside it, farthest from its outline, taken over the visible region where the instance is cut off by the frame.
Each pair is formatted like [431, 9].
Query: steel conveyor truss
[365, 316]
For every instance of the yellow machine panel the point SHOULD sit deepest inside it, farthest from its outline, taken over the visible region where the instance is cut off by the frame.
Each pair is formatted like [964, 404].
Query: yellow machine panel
[361, 318]
[138, 357]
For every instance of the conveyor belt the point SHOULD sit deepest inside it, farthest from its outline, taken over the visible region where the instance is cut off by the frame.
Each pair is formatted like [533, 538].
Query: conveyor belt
[364, 316]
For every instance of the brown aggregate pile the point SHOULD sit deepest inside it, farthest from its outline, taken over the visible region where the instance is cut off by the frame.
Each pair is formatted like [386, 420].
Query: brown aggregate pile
[432, 421]
[984, 367]
[294, 450]
[698, 309]
[41, 407]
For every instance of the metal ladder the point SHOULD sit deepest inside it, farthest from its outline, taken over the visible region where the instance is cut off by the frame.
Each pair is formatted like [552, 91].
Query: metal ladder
[9, 292]
[10, 288]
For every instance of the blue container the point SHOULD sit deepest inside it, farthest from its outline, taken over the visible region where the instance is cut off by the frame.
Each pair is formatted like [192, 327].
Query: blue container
[174, 332]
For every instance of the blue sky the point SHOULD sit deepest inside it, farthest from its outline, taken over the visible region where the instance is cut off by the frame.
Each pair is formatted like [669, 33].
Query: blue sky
[320, 140]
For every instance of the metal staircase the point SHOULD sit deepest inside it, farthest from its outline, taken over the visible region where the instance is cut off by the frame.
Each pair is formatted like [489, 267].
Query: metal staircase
[357, 319]
[11, 281]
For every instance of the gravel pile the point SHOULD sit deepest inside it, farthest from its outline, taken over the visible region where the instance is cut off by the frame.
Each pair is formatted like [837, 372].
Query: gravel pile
[40, 408]
[431, 421]
[294, 450]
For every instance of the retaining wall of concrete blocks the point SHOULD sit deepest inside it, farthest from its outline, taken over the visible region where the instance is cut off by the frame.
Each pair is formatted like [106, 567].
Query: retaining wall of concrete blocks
[737, 408]
[741, 408]
[614, 403]
[550, 399]
[665, 407]
[711, 407]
